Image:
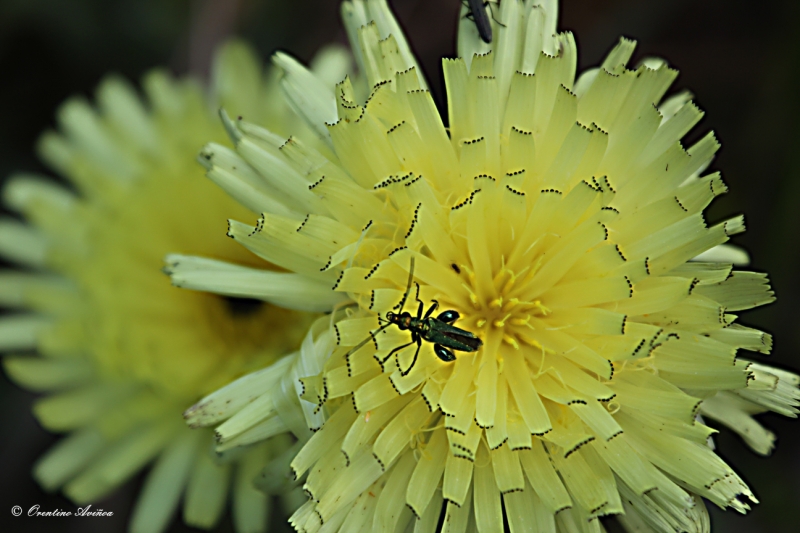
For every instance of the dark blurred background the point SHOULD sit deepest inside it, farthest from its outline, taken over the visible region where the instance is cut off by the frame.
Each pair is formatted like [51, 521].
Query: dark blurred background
[741, 59]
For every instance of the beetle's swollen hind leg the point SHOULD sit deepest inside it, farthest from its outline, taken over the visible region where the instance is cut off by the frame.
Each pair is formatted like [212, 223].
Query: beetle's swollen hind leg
[413, 361]
[448, 317]
[443, 353]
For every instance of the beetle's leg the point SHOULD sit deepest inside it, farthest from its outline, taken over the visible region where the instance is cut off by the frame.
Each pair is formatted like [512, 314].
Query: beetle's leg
[431, 309]
[491, 10]
[468, 15]
[396, 350]
[421, 305]
[413, 361]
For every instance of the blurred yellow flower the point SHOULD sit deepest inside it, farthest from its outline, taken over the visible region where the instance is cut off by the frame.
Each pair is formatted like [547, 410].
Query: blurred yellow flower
[122, 352]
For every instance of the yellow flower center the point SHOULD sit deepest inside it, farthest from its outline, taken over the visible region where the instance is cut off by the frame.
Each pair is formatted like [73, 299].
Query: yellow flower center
[135, 325]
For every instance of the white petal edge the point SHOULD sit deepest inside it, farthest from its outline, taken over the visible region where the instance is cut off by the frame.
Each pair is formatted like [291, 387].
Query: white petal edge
[289, 290]
[308, 96]
[725, 253]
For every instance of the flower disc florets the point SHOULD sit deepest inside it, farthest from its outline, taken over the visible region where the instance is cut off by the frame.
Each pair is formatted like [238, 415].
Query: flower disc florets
[558, 218]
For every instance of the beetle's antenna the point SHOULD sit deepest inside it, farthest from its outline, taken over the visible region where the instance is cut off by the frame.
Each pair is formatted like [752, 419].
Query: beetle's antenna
[358, 346]
[408, 287]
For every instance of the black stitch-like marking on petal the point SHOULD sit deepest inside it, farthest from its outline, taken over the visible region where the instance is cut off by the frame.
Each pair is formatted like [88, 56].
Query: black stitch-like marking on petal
[694, 283]
[598, 508]
[304, 223]
[313, 185]
[393, 128]
[414, 511]
[339, 280]
[371, 272]
[499, 445]
[323, 269]
[412, 182]
[515, 191]
[413, 220]
[383, 467]
[638, 347]
[595, 189]
[578, 446]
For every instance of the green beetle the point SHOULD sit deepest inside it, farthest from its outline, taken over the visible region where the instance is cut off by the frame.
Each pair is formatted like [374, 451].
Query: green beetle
[439, 330]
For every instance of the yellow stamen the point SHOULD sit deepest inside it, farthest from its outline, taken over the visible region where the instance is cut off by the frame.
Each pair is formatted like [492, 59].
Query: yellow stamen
[502, 322]
[520, 321]
[508, 339]
[544, 309]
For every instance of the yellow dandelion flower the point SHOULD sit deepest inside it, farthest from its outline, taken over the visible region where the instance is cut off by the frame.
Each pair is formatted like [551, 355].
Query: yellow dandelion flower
[122, 352]
[558, 224]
